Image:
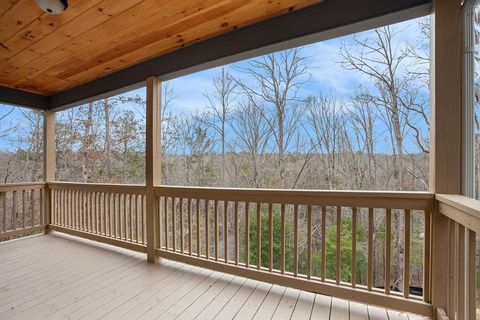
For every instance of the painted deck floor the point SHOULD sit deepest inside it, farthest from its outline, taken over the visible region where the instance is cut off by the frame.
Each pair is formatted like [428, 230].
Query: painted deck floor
[61, 277]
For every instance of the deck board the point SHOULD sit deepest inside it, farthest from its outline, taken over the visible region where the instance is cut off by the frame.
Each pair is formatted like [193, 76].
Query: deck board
[57, 276]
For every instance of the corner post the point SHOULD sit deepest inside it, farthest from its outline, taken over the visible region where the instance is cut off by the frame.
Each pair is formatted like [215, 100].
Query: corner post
[152, 163]
[49, 162]
[445, 136]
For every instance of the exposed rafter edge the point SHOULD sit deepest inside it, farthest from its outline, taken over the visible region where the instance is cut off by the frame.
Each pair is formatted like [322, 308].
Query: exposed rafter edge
[328, 19]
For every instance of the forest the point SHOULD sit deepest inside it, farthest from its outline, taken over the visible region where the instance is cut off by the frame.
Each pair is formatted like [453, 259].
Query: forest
[265, 123]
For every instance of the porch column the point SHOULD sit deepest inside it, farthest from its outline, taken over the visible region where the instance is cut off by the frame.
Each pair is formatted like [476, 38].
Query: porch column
[49, 161]
[153, 163]
[445, 134]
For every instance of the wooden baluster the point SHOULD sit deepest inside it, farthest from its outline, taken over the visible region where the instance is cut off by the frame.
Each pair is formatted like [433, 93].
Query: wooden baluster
[97, 213]
[101, 211]
[354, 247]
[174, 224]
[197, 207]
[90, 211]
[452, 266]
[66, 212]
[24, 210]
[406, 257]
[68, 206]
[115, 216]
[125, 217]
[282, 238]
[471, 274]
[426, 256]
[215, 212]
[61, 210]
[108, 213]
[247, 234]
[370, 249]
[270, 237]
[388, 246]
[14, 210]
[88, 197]
[189, 208]
[295, 240]
[144, 221]
[226, 206]
[76, 217]
[82, 209]
[324, 244]
[338, 276]
[60, 207]
[259, 237]
[137, 215]
[42, 206]
[4, 206]
[207, 231]
[75, 209]
[78, 209]
[181, 227]
[309, 242]
[165, 205]
[460, 274]
[32, 207]
[40, 209]
[131, 204]
[237, 235]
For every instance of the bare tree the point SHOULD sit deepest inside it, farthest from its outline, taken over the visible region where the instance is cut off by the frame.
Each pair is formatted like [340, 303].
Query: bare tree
[381, 58]
[326, 121]
[253, 135]
[275, 80]
[220, 104]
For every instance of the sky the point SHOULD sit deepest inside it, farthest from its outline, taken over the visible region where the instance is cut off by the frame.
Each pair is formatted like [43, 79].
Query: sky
[328, 77]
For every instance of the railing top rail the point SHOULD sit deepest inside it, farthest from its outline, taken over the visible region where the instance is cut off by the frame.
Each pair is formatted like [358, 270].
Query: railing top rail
[96, 187]
[21, 186]
[463, 210]
[372, 199]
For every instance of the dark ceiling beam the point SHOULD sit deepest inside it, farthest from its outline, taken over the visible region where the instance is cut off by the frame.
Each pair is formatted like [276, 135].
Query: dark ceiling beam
[22, 98]
[294, 28]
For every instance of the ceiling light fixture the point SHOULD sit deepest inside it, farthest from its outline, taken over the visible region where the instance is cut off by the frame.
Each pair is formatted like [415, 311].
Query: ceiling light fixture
[52, 6]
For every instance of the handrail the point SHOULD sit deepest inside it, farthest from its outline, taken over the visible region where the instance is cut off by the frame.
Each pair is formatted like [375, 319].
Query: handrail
[5, 187]
[98, 187]
[376, 199]
[463, 210]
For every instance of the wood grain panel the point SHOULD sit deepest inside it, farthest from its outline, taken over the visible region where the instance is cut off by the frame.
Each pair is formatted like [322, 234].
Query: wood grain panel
[46, 54]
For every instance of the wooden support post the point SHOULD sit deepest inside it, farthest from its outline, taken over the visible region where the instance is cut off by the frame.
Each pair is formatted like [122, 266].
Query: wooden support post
[152, 163]
[49, 163]
[445, 132]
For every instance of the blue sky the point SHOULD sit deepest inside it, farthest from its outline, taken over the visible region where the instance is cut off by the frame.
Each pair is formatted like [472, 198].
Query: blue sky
[328, 77]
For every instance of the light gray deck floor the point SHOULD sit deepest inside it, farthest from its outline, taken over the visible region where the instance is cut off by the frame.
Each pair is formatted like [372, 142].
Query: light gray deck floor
[61, 277]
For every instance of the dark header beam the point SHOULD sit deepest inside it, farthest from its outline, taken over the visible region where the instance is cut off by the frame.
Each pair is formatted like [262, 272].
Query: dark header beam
[22, 98]
[256, 39]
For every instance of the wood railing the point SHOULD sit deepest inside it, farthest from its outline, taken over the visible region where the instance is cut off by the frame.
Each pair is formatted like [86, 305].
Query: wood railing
[461, 222]
[221, 229]
[322, 241]
[21, 209]
[114, 214]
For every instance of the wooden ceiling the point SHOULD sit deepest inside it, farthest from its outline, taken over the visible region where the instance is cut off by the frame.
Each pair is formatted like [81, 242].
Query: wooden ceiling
[46, 54]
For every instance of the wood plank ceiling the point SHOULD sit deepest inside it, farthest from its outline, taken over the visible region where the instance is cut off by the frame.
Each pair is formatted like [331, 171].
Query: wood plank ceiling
[46, 54]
